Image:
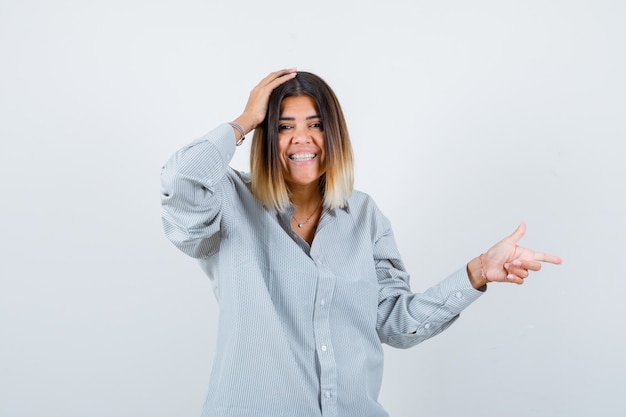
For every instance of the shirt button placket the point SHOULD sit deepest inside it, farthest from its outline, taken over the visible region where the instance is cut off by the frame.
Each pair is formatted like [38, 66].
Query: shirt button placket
[321, 328]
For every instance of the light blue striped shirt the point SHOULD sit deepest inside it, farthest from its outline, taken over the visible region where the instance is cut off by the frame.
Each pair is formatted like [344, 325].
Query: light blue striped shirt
[300, 328]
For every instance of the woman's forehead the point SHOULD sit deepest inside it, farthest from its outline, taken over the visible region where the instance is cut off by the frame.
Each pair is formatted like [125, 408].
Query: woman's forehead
[298, 106]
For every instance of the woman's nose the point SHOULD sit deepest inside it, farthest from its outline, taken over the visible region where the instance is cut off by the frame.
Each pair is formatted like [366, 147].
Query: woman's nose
[301, 135]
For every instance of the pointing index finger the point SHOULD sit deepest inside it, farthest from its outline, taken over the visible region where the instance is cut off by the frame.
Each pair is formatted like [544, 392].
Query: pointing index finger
[546, 257]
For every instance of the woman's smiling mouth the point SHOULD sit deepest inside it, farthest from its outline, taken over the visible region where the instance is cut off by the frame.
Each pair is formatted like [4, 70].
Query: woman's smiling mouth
[302, 156]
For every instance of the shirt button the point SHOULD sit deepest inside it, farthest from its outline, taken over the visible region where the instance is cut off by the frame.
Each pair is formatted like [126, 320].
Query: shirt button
[427, 326]
[324, 348]
[327, 394]
[458, 294]
[322, 302]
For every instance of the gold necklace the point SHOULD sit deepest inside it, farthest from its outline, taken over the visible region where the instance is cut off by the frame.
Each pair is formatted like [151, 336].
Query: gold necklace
[300, 224]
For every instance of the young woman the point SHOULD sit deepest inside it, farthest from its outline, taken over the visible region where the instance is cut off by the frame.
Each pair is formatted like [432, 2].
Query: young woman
[308, 277]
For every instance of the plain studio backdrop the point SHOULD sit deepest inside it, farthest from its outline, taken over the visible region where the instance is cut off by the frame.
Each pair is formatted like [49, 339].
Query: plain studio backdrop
[467, 117]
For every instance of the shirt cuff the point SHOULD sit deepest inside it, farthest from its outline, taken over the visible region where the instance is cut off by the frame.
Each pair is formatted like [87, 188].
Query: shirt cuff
[223, 138]
[458, 292]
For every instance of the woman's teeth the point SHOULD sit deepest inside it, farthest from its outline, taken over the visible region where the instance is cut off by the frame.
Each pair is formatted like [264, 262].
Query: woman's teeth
[302, 156]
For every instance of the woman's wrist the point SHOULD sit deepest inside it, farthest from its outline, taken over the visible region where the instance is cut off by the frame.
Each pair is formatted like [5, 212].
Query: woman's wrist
[241, 126]
[246, 122]
[475, 273]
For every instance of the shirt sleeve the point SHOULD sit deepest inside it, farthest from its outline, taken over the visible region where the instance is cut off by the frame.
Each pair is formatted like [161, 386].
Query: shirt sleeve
[406, 318]
[193, 185]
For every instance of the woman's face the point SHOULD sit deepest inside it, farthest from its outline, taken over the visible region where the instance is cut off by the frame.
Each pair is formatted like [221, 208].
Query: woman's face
[301, 141]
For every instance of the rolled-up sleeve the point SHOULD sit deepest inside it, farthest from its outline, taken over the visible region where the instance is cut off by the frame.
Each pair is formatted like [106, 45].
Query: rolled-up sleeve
[193, 187]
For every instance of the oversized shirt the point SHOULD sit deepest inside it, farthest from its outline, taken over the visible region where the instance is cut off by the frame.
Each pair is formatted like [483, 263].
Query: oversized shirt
[300, 327]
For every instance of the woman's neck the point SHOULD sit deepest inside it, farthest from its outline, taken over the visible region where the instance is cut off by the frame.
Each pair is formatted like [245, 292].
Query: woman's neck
[307, 202]
[305, 197]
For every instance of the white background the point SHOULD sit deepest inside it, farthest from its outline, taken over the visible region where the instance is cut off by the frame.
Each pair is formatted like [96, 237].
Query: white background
[467, 117]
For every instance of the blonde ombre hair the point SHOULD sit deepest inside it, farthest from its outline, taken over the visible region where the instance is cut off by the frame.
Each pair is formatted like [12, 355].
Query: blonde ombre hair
[337, 183]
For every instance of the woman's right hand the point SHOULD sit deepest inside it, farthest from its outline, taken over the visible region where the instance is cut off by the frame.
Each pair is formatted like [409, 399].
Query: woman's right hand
[256, 108]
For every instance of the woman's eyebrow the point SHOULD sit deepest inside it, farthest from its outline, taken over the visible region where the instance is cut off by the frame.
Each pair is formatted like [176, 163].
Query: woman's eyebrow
[316, 116]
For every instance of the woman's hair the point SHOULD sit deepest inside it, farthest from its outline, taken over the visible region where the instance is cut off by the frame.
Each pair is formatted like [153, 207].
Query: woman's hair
[268, 183]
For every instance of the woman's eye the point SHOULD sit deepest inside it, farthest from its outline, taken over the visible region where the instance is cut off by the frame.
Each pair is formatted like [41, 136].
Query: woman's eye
[316, 125]
[284, 127]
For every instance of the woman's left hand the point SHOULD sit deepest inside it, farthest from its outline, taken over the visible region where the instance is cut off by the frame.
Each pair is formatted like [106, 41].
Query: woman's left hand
[506, 261]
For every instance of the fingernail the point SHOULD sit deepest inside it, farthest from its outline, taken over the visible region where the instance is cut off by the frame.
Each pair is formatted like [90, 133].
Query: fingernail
[510, 277]
[506, 265]
[517, 262]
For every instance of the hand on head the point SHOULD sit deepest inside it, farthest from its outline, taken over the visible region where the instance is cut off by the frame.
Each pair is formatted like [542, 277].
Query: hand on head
[256, 107]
